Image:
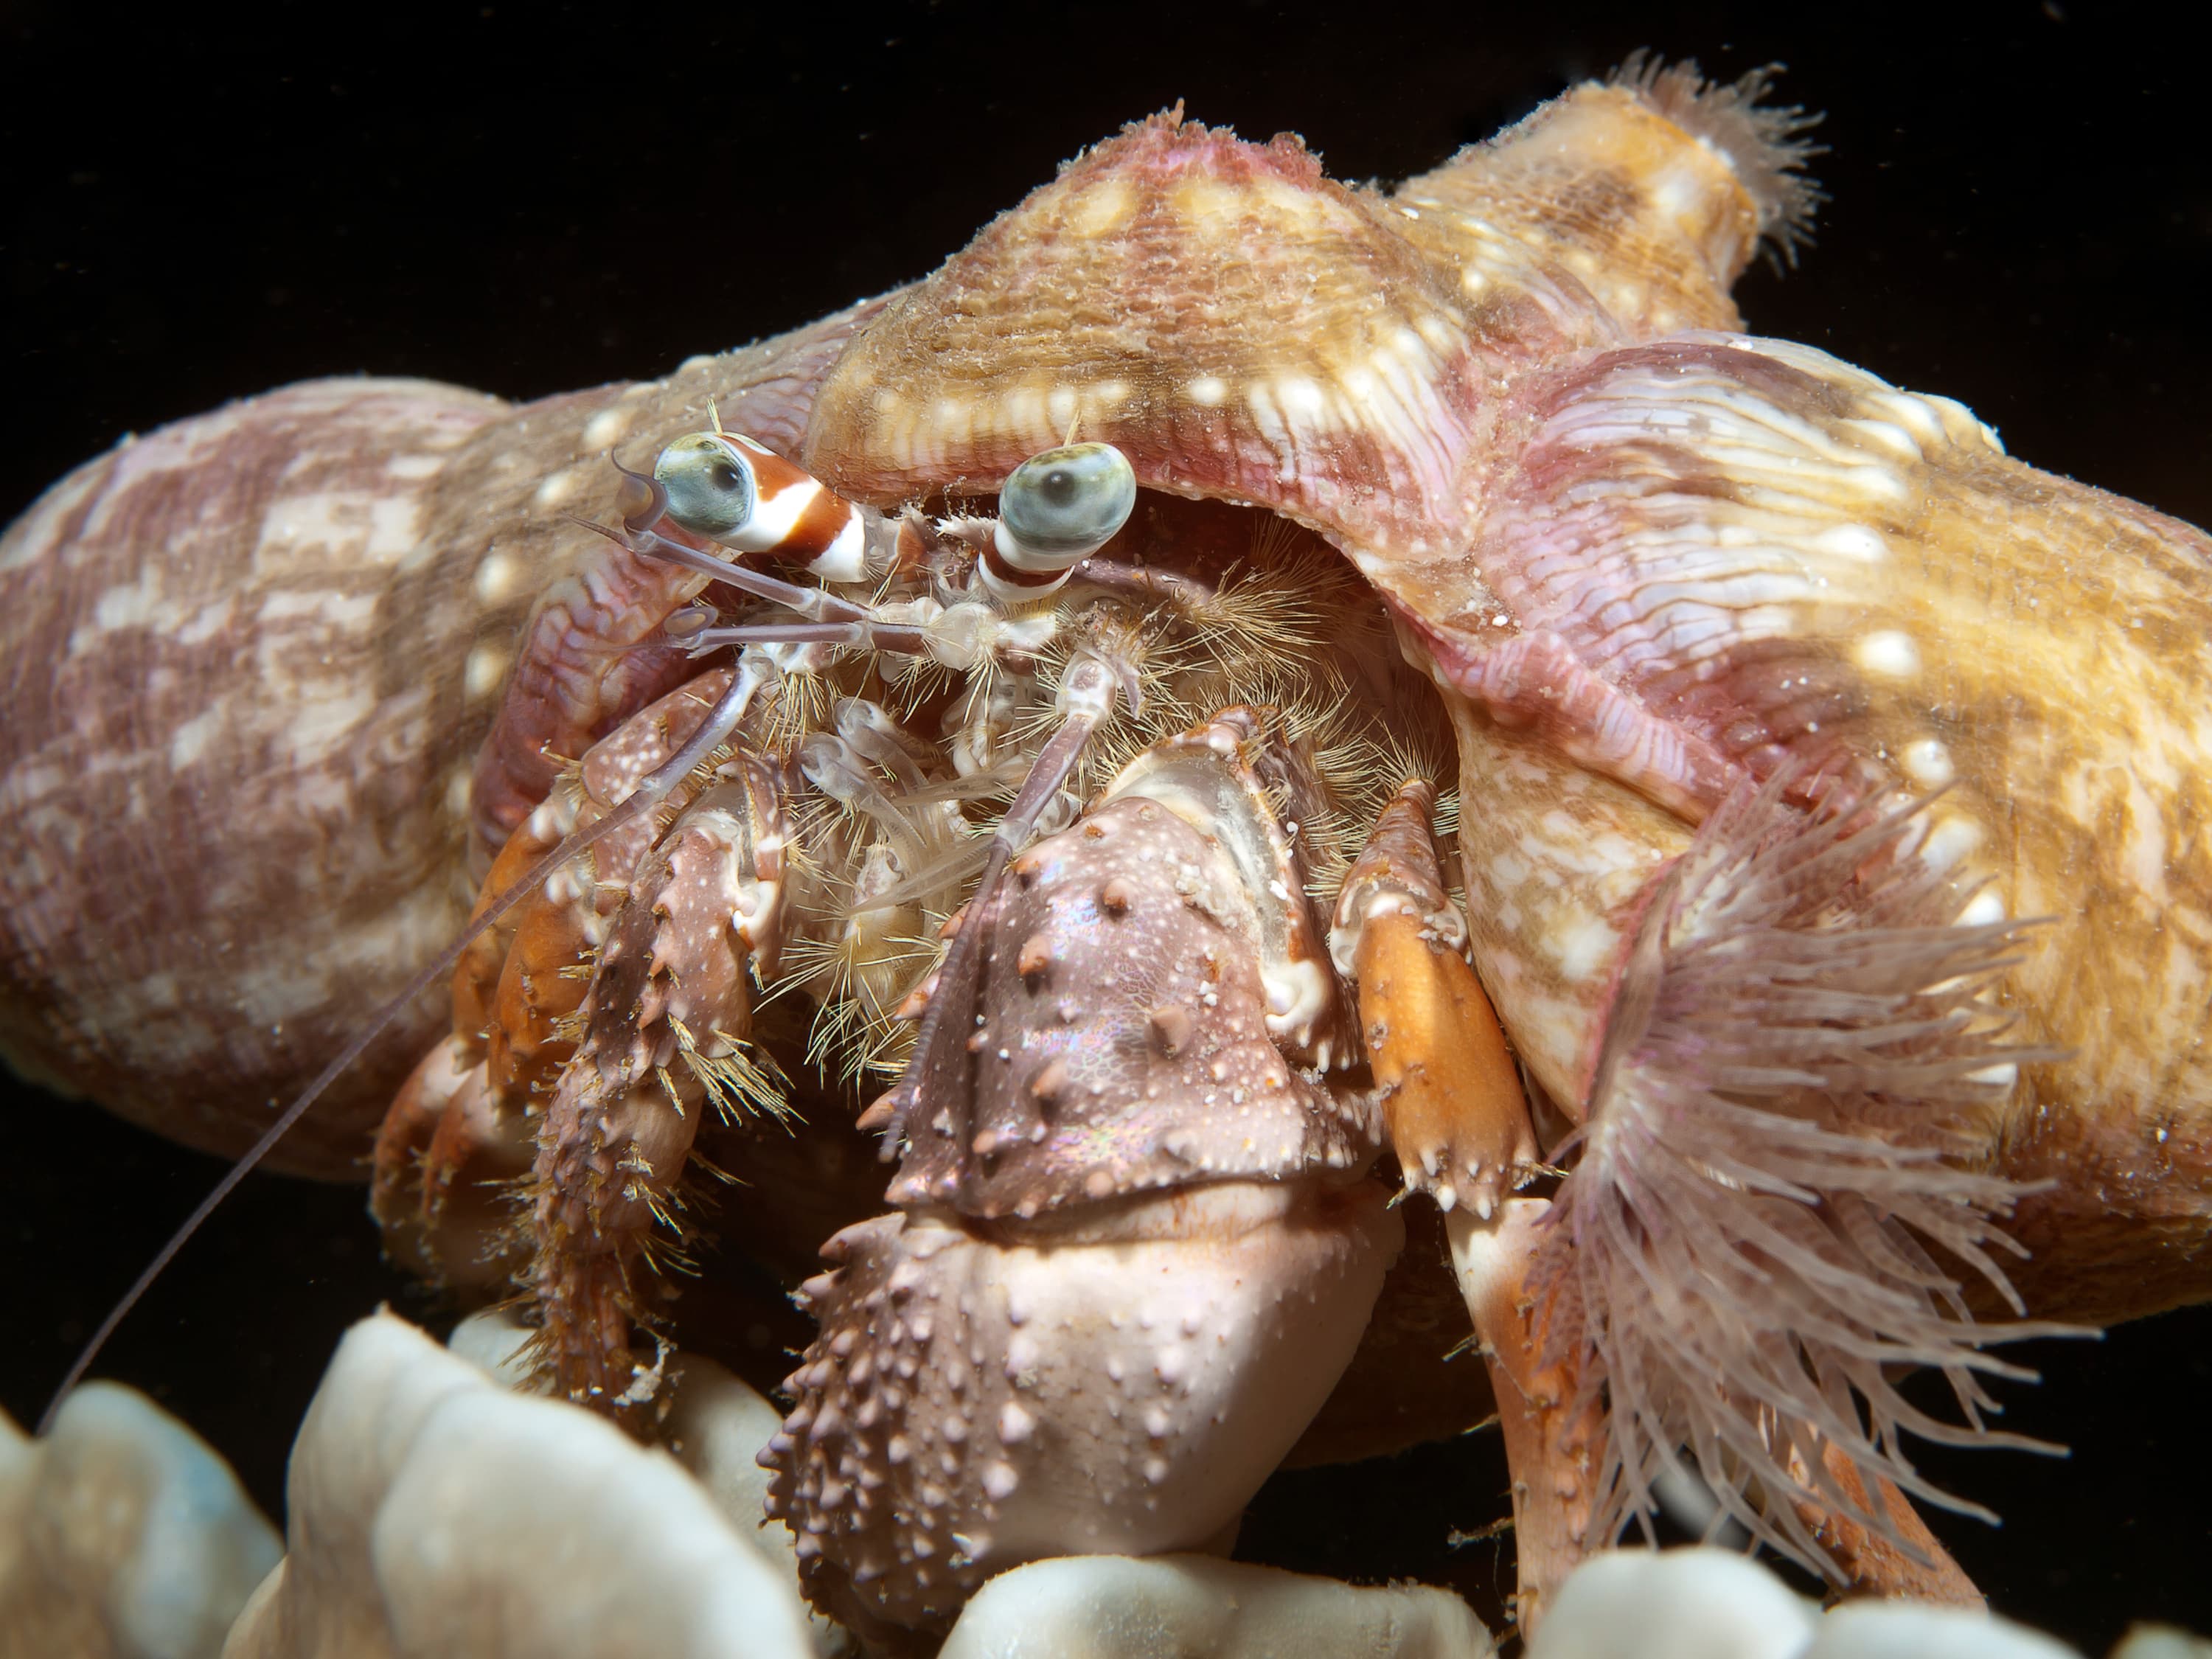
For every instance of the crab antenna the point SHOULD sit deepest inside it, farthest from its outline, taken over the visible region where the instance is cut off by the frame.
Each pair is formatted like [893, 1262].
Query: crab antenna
[721, 720]
[642, 500]
[941, 1058]
[647, 542]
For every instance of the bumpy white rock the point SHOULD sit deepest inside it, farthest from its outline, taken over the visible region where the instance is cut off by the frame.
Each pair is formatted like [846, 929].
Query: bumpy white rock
[1711, 1604]
[715, 1427]
[1678, 1604]
[434, 1514]
[2161, 1642]
[1909, 1630]
[495, 1341]
[1112, 1607]
[122, 1535]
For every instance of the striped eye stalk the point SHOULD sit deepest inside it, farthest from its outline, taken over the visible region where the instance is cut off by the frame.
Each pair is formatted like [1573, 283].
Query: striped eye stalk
[730, 490]
[1055, 510]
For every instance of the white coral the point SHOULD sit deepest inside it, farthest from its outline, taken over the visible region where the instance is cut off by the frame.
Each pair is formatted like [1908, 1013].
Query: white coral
[433, 1513]
[122, 1535]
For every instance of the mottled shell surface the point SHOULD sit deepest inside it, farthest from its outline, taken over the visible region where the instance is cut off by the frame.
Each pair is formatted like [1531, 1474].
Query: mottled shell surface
[284, 631]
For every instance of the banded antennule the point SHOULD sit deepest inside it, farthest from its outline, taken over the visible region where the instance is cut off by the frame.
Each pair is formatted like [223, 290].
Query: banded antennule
[1137, 1243]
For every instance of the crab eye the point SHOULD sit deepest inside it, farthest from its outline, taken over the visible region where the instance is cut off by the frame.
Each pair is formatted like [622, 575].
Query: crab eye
[1062, 506]
[710, 485]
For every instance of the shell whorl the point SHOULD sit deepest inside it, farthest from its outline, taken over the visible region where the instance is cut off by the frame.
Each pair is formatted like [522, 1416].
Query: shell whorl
[253, 657]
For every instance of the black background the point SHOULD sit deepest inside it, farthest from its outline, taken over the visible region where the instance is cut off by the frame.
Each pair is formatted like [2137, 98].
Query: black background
[529, 198]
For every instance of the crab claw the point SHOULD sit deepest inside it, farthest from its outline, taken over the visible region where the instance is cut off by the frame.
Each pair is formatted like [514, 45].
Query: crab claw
[1137, 1244]
[1450, 1092]
[1144, 1365]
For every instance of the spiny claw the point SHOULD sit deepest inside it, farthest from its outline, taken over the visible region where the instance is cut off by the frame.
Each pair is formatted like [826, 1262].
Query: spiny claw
[664, 1027]
[1137, 1246]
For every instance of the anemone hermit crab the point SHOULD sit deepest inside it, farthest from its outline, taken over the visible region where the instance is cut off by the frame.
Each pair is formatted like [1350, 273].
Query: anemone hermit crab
[1821, 821]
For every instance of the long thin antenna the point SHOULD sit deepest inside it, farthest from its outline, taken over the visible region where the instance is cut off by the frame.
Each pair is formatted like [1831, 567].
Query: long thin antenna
[721, 720]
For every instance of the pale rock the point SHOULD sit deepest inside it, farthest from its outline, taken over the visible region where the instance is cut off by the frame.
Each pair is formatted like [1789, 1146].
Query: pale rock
[493, 1340]
[1115, 1607]
[1678, 1604]
[1712, 1604]
[122, 1535]
[1913, 1630]
[2160, 1642]
[434, 1514]
[715, 1426]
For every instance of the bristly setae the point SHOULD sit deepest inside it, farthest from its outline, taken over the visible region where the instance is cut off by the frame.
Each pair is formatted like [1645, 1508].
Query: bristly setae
[1780, 1132]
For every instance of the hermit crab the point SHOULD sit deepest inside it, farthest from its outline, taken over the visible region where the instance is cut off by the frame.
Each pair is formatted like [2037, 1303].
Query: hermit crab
[1110, 723]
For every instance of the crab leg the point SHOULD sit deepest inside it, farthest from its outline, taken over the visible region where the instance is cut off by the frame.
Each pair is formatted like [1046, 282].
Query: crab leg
[1555, 1430]
[463, 1126]
[1450, 1092]
[721, 720]
[665, 1026]
[1912, 1565]
[1554, 1427]
[1455, 1113]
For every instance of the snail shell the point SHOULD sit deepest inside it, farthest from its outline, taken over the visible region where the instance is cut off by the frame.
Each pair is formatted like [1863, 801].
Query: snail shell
[254, 657]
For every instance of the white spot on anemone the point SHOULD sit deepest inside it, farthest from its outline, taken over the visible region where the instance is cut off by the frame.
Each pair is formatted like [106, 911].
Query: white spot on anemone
[1982, 909]
[556, 489]
[1951, 839]
[1854, 542]
[498, 576]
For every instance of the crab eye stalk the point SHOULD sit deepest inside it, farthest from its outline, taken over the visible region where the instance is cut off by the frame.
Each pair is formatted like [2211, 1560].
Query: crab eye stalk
[1055, 510]
[710, 483]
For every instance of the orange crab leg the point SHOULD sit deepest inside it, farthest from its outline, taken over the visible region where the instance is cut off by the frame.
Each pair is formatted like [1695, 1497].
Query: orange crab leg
[1913, 1565]
[409, 1125]
[1554, 1428]
[1450, 1090]
[1456, 1116]
[1451, 1098]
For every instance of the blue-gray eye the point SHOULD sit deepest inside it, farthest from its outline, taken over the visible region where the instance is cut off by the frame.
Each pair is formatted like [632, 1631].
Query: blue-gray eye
[709, 482]
[1064, 505]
